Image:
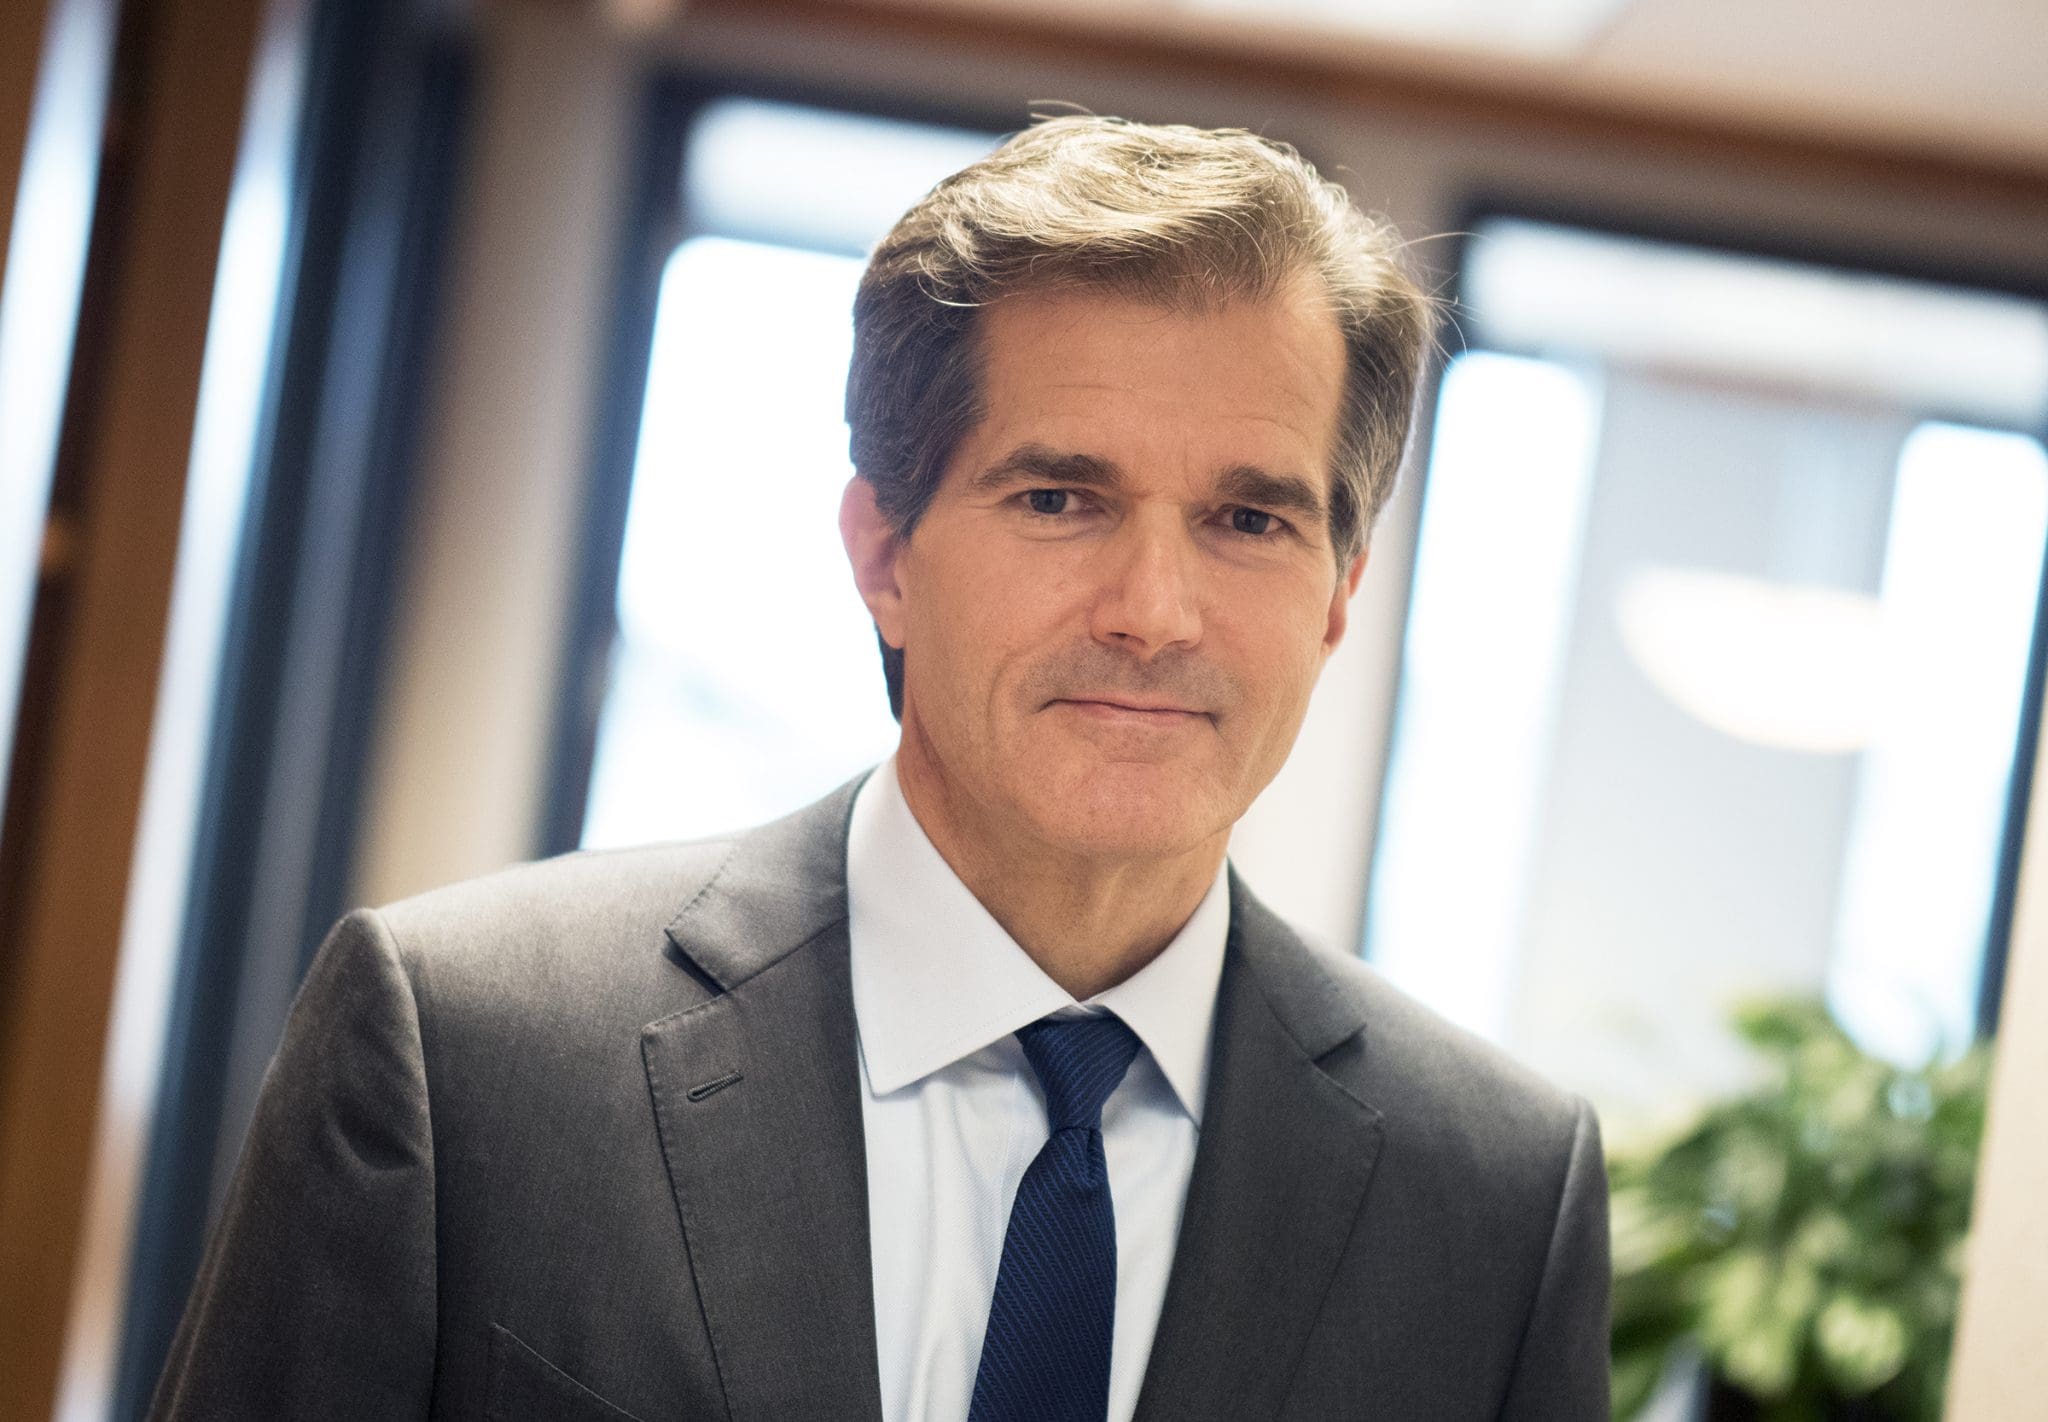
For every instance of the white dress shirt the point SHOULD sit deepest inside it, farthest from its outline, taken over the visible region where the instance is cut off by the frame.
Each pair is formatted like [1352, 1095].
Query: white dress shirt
[954, 1113]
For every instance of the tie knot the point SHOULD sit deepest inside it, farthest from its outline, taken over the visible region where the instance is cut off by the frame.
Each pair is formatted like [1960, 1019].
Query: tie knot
[1079, 1061]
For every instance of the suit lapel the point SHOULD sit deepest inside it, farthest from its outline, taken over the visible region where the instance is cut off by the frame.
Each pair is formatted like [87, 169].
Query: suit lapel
[1279, 1178]
[757, 1099]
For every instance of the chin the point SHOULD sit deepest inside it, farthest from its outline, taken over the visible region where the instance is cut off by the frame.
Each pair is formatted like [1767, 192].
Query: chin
[1125, 812]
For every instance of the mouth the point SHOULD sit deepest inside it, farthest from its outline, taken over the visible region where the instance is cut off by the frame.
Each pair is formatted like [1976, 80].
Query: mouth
[1133, 712]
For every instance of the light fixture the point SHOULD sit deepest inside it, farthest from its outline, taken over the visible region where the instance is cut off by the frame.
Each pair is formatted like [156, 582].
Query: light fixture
[1781, 665]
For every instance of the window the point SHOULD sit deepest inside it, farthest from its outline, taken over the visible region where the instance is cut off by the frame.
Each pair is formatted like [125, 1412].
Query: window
[744, 679]
[1724, 606]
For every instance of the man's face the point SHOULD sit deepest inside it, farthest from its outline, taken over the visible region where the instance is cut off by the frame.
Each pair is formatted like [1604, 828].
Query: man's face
[1120, 597]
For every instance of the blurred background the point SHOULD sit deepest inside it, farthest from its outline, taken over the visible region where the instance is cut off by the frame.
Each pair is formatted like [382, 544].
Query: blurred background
[419, 445]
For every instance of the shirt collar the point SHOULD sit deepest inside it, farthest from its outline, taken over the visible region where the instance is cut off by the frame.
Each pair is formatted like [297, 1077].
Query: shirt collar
[936, 978]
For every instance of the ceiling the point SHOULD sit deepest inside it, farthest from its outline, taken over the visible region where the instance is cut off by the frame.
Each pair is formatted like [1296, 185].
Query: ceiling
[1968, 78]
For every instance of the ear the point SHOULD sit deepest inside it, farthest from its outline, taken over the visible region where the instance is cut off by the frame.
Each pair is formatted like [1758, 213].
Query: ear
[873, 548]
[1340, 603]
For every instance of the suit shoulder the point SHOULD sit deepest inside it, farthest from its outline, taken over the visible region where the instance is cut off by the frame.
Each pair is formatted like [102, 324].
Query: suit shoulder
[587, 906]
[1411, 1061]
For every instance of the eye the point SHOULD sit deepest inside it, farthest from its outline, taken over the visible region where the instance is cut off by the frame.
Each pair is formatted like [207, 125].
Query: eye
[1252, 521]
[1047, 501]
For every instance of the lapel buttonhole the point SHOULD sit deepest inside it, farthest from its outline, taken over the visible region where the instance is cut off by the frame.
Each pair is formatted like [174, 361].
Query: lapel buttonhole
[713, 1087]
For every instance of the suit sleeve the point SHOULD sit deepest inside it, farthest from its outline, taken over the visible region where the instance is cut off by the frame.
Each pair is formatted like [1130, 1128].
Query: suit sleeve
[316, 1295]
[1561, 1369]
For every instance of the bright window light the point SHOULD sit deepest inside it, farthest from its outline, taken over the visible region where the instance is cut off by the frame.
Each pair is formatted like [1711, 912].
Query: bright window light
[746, 679]
[1916, 345]
[1496, 571]
[1962, 575]
[1712, 687]
[807, 178]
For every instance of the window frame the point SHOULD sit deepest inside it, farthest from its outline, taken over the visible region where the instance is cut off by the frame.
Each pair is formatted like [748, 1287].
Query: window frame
[1491, 204]
[655, 223]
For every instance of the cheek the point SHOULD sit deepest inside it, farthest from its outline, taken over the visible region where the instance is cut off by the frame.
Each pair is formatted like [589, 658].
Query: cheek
[1282, 628]
[977, 617]
[1281, 655]
[1285, 691]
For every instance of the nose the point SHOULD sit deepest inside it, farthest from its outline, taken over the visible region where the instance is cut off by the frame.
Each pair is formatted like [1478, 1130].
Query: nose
[1148, 599]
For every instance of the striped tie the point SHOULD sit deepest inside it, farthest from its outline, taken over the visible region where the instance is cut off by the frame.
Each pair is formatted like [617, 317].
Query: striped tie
[1045, 1357]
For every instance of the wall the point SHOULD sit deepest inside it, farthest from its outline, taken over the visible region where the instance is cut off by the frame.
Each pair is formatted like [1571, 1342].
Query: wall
[2001, 1369]
[458, 771]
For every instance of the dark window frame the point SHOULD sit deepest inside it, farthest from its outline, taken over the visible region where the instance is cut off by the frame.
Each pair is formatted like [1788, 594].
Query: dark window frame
[314, 589]
[1484, 205]
[655, 224]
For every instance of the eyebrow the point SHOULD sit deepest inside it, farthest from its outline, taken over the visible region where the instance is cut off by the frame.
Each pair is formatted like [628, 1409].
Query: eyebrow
[1036, 462]
[1288, 494]
[1276, 493]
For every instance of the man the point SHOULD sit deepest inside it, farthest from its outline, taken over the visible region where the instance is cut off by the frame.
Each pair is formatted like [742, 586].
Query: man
[981, 1089]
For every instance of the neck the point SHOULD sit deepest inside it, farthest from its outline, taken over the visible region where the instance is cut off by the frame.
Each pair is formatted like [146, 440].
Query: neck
[1088, 922]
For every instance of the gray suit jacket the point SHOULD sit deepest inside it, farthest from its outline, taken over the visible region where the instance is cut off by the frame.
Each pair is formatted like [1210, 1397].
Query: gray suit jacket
[583, 1140]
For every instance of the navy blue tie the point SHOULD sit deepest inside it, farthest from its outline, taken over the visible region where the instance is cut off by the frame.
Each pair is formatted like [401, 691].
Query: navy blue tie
[1045, 1357]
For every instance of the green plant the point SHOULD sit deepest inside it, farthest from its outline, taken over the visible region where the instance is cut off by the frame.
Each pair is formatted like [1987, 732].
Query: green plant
[1804, 1240]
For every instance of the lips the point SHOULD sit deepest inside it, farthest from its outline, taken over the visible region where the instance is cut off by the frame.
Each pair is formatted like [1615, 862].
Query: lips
[1121, 704]
[1172, 688]
[1129, 709]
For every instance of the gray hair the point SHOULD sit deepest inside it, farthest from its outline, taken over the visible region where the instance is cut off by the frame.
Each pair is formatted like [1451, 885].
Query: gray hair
[1185, 217]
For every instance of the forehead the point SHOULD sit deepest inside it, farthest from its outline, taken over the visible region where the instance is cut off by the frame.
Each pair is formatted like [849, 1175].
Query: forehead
[1257, 381]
